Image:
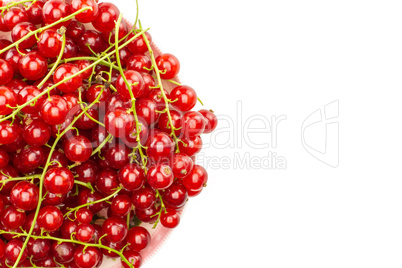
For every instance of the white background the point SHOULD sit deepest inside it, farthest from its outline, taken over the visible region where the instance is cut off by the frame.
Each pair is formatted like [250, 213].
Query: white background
[291, 58]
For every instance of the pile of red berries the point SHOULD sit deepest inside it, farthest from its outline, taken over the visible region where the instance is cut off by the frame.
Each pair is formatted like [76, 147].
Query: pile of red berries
[92, 144]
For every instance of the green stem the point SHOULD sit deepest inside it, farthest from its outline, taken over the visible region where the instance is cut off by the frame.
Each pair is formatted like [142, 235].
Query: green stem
[13, 4]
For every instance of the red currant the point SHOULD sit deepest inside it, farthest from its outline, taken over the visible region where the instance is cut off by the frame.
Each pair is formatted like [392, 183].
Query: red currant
[169, 66]
[33, 66]
[121, 205]
[115, 229]
[87, 257]
[119, 122]
[138, 238]
[20, 31]
[59, 180]
[88, 15]
[6, 72]
[135, 80]
[170, 219]
[8, 100]
[54, 110]
[107, 16]
[50, 218]
[50, 43]
[25, 195]
[143, 198]
[107, 181]
[78, 149]
[184, 98]
[65, 71]
[54, 10]
[132, 177]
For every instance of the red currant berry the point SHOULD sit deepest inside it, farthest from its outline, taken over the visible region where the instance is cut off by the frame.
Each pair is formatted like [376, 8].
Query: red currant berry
[121, 205]
[20, 31]
[46, 262]
[133, 258]
[25, 195]
[147, 215]
[107, 181]
[35, 12]
[8, 171]
[86, 172]
[62, 252]
[177, 122]
[159, 146]
[175, 196]
[131, 139]
[138, 45]
[138, 238]
[25, 95]
[184, 98]
[50, 218]
[4, 159]
[37, 133]
[88, 15]
[86, 121]
[115, 229]
[147, 109]
[135, 79]
[6, 72]
[16, 84]
[149, 82]
[59, 180]
[50, 43]
[182, 165]
[33, 66]
[94, 91]
[78, 149]
[87, 257]
[170, 219]
[139, 63]
[39, 248]
[54, 110]
[160, 177]
[94, 40]
[14, 249]
[143, 198]
[156, 95]
[211, 121]
[8, 133]
[84, 232]
[53, 199]
[13, 57]
[169, 66]
[75, 30]
[84, 215]
[194, 124]
[32, 157]
[70, 50]
[117, 156]
[107, 16]
[119, 122]
[196, 180]
[68, 228]
[8, 100]
[191, 145]
[65, 71]
[54, 10]
[14, 16]
[132, 177]
[12, 218]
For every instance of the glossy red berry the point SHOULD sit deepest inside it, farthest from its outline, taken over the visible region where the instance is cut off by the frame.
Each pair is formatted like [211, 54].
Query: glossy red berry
[84, 232]
[12, 218]
[68, 228]
[86, 121]
[54, 110]
[138, 45]
[95, 41]
[115, 229]
[139, 63]
[84, 215]
[160, 177]
[117, 101]
[50, 43]
[138, 238]
[91, 257]
[107, 181]
[108, 14]
[66, 71]
[8, 100]
[133, 257]
[6, 72]
[8, 133]
[32, 157]
[54, 10]
[165, 125]
[86, 172]
[37, 133]
[147, 110]
[33, 66]
[39, 248]
[35, 12]
[175, 196]
[184, 98]
[62, 252]
[194, 124]
[14, 16]
[75, 30]
[135, 80]
[20, 31]
[147, 215]
[8, 171]
[182, 165]
[143, 198]
[16, 84]
[50, 218]
[25, 95]
[131, 139]
[119, 122]
[25, 195]
[88, 15]
[160, 146]
[14, 249]
[53, 199]
[196, 180]
[132, 177]
[121, 205]
[191, 145]
[170, 219]
[169, 66]
[78, 149]
[59, 180]
[4, 158]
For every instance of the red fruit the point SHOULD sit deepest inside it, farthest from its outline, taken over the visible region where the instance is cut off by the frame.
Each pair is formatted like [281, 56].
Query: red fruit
[8, 100]
[108, 14]
[131, 139]
[89, 258]
[8, 171]
[20, 31]
[4, 159]
[54, 10]
[59, 180]
[160, 177]
[147, 215]
[65, 71]
[75, 30]
[63, 252]
[175, 196]
[12, 218]
[196, 180]
[132, 177]
[39, 248]
[115, 229]
[135, 80]
[138, 238]
[182, 165]
[8, 133]
[25, 95]
[33, 66]
[32, 157]
[54, 110]
[50, 218]
[117, 156]
[14, 16]
[160, 146]
[139, 63]
[6, 72]
[121, 205]
[78, 149]
[37, 133]
[138, 45]
[190, 145]
[177, 122]
[25, 195]
[95, 41]
[133, 257]
[144, 198]
[13, 250]
[184, 98]
[84, 232]
[107, 181]
[194, 124]
[170, 219]
[88, 15]
[84, 215]
[35, 12]
[50, 43]
[169, 66]
[86, 172]
[147, 110]
[119, 122]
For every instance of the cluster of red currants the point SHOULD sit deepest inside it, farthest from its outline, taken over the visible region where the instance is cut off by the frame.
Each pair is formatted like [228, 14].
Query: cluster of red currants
[91, 143]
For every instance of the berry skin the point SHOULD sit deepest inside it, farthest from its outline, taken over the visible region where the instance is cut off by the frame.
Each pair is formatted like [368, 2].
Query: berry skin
[115, 229]
[13, 250]
[54, 10]
[65, 71]
[160, 146]
[139, 63]
[194, 124]
[25, 195]
[160, 177]
[89, 258]
[132, 177]
[12, 218]
[50, 218]
[184, 98]
[35, 12]
[8, 100]
[59, 180]
[78, 149]
[138, 238]
[37, 133]
[169, 66]
[14, 16]
[25, 95]
[135, 79]
[196, 180]
[211, 121]
[191, 145]
[8, 133]
[84, 232]
[50, 43]
[133, 257]
[54, 110]
[117, 156]
[94, 40]
[39, 248]
[177, 122]
[138, 46]
[6, 72]
[121, 205]
[108, 14]
[147, 110]
[4, 160]
[20, 31]
[170, 219]
[144, 198]
[119, 122]
[175, 196]
[63, 252]
[182, 165]
[33, 66]
[88, 15]
[84, 215]
[107, 181]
